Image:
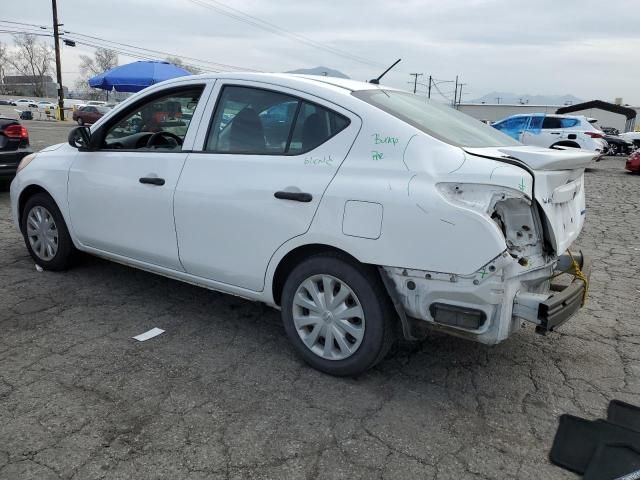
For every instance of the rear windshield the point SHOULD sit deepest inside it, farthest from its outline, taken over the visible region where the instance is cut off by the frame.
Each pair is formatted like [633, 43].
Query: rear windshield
[438, 120]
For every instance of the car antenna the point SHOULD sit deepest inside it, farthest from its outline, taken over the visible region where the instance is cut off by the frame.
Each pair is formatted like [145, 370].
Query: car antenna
[376, 81]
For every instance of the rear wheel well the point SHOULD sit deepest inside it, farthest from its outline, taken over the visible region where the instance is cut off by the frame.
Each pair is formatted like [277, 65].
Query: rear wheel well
[566, 143]
[295, 256]
[27, 193]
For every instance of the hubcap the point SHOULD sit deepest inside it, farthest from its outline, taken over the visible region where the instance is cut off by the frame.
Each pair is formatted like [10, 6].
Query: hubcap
[42, 233]
[328, 317]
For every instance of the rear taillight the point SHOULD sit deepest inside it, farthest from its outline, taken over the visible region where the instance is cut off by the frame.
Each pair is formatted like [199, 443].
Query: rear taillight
[594, 134]
[16, 131]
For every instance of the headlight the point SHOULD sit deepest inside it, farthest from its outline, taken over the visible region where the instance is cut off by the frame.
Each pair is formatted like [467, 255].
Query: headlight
[25, 161]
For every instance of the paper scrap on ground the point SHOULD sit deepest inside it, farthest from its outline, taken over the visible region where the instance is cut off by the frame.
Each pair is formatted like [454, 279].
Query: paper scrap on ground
[38, 268]
[154, 332]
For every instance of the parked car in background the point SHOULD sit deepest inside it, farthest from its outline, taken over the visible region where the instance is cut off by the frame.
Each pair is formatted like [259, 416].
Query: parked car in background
[5, 102]
[45, 104]
[618, 145]
[96, 103]
[610, 130]
[551, 131]
[633, 137]
[26, 103]
[89, 114]
[633, 162]
[319, 196]
[14, 145]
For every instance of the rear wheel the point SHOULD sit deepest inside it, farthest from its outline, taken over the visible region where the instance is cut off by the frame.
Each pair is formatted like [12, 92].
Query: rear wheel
[45, 233]
[337, 314]
[613, 149]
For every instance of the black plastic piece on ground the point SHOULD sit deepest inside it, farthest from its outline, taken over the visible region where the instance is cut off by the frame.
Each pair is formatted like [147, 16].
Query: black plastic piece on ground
[624, 414]
[613, 461]
[577, 440]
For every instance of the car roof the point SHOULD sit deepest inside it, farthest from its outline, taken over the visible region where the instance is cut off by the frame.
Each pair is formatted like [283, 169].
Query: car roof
[342, 85]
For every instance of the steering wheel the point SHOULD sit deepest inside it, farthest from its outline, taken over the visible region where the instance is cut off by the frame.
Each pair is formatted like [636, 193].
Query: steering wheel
[153, 138]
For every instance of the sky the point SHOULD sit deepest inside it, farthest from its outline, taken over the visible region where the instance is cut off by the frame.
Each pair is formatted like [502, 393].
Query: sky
[551, 47]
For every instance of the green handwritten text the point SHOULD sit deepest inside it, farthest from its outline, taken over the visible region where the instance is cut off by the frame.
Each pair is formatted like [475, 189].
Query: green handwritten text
[380, 139]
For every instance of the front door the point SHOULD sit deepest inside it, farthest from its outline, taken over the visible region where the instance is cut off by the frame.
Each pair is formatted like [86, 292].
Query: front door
[121, 194]
[268, 157]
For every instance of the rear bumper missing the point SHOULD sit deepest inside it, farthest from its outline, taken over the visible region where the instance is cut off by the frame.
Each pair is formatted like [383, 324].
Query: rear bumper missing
[551, 310]
[565, 300]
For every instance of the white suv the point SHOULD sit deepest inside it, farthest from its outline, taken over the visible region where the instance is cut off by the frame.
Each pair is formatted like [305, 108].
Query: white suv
[360, 211]
[552, 131]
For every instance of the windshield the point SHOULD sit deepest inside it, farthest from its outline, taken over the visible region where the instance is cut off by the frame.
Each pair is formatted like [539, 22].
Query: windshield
[438, 120]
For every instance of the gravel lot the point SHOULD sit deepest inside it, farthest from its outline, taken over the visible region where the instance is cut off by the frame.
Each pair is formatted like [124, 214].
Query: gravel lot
[222, 395]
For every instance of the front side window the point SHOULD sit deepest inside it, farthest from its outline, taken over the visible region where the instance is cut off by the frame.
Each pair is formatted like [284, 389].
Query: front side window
[263, 122]
[438, 120]
[160, 123]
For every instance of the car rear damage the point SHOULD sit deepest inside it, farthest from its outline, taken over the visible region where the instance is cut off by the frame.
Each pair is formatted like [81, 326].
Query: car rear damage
[535, 278]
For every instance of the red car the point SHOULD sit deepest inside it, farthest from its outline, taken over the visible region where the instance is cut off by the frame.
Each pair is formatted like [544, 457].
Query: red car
[633, 162]
[89, 114]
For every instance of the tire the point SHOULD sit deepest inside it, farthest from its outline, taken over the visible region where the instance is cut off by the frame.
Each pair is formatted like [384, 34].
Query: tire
[80, 121]
[61, 252]
[373, 332]
[613, 149]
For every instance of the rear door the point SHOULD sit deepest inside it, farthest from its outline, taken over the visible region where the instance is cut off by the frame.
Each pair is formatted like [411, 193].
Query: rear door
[263, 166]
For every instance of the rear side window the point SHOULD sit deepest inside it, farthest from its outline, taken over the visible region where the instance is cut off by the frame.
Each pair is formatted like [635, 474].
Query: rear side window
[314, 126]
[255, 121]
[568, 122]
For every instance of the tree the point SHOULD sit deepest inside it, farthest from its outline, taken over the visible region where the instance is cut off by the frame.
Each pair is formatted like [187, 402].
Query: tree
[32, 59]
[177, 61]
[3, 64]
[102, 60]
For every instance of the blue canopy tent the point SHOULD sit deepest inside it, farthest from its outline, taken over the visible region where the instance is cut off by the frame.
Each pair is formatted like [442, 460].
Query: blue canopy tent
[136, 76]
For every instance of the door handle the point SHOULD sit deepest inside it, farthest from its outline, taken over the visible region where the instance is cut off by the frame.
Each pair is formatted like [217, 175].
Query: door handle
[152, 180]
[554, 133]
[297, 196]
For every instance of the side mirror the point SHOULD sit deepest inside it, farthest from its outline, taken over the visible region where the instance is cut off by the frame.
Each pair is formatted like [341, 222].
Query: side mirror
[80, 137]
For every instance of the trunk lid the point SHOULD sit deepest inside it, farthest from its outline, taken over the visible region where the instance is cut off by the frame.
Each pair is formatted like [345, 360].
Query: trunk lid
[558, 187]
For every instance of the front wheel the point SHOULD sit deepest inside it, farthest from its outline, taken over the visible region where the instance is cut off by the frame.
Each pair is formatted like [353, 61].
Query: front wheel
[80, 121]
[45, 233]
[613, 149]
[337, 314]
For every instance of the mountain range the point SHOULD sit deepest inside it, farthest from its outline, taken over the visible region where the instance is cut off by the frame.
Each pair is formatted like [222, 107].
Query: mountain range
[516, 98]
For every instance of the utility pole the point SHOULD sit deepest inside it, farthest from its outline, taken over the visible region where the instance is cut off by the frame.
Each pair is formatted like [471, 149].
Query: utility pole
[455, 92]
[498, 99]
[415, 80]
[56, 37]
[460, 94]
[429, 92]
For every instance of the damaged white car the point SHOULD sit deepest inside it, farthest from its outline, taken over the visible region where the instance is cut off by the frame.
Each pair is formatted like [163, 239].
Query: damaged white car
[362, 212]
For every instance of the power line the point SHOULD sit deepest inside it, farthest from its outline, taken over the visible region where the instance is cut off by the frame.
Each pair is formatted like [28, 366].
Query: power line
[105, 43]
[244, 17]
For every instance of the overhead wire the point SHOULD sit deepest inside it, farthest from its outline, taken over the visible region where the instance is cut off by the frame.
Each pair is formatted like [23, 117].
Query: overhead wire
[257, 22]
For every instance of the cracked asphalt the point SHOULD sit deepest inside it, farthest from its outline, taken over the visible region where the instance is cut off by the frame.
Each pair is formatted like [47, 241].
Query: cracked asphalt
[221, 394]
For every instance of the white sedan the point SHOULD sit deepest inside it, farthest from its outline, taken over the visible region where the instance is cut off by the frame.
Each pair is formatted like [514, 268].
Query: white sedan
[361, 211]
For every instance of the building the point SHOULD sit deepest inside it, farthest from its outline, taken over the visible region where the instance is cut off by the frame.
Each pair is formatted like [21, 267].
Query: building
[25, 85]
[494, 112]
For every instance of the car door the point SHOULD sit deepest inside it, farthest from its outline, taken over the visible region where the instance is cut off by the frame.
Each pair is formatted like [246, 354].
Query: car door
[120, 192]
[265, 162]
